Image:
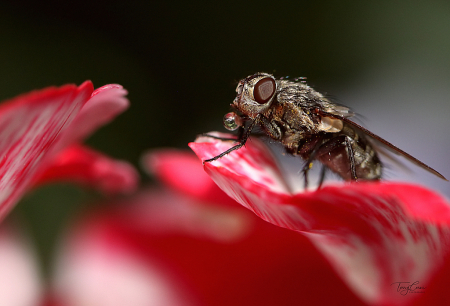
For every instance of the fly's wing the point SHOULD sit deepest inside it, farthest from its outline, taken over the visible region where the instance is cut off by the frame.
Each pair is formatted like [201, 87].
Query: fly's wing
[385, 143]
[389, 157]
[336, 110]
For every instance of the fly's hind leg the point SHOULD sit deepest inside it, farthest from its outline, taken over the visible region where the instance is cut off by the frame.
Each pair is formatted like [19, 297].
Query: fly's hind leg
[351, 157]
[324, 148]
[334, 143]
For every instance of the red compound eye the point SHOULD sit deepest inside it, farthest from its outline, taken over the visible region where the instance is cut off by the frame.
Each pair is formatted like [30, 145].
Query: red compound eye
[264, 90]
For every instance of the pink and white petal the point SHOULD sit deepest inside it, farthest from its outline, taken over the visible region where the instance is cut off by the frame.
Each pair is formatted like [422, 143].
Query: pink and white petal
[436, 292]
[20, 280]
[95, 267]
[254, 160]
[420, 203]
[181, 171]
[104, 105]
[29, 126]
[85, 166]
[363, 229]
[214, 255]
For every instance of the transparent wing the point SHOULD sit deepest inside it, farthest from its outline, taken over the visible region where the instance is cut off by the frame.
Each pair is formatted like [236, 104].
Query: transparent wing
[380, 142]
[338, 110]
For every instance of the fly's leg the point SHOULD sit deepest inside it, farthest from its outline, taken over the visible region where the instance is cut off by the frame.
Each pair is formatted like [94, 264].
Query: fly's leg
[351, 157]
[334, 143]
[241, 143]
[323, 148]
[239, 138]
[305, 170]
[317, 145]
[219, 138]
[322, 176]
[241, 133]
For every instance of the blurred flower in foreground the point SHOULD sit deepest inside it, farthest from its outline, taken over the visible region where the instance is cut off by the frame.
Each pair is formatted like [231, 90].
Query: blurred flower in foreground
[40, 135]
[189, 245]
[20, 279]
[375, 235]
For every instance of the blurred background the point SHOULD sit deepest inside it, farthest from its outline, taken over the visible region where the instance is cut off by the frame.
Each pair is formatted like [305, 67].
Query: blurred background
[181, 61]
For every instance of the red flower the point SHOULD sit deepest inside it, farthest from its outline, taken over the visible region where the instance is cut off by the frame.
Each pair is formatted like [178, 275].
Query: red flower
[40, 134]
[179, 246]
[373, 234]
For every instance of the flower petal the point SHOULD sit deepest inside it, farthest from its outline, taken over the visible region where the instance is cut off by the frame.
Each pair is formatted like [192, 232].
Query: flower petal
[95, 267]
[254, 160]
[29, 125]
[20, 279]
[88, 167]
[180, 170]
[209, 255]
[363, 229]
[104, 105]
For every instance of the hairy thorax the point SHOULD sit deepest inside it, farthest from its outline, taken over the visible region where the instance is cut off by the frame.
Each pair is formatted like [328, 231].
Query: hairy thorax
[288, 123]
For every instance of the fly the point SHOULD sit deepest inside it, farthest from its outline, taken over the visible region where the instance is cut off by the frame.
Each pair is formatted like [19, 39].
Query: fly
[309, 125]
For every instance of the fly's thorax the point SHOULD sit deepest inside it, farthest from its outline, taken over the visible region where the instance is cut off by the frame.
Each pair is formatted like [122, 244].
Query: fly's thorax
[294, 118]
[299, 93]
[255, 94]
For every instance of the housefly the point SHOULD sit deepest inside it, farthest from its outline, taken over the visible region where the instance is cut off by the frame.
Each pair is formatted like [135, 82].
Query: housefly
[309, 125]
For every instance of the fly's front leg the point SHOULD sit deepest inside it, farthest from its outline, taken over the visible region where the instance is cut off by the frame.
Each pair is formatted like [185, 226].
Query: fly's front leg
[219, 138]
[242, 141]
[271, 128]
[239, 136]
[232, 121]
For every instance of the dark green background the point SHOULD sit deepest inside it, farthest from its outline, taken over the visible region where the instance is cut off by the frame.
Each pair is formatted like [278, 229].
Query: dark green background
[181, 60]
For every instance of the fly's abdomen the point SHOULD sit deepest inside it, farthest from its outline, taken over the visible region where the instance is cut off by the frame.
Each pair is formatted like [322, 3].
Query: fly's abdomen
[338, 153]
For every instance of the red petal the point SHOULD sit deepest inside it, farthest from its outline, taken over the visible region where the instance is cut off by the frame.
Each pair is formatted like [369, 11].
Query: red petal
[104, 105]
[211, 255]
[363, 229]
[254, 160]
[88, 167]
[181, 171]
[29, 125]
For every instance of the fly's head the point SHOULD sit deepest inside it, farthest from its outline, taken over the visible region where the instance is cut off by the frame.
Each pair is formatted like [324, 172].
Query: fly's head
[254, 95]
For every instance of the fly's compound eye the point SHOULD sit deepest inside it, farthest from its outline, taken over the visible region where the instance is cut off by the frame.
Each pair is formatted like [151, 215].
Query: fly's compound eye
[232, 121]
[264, 90]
